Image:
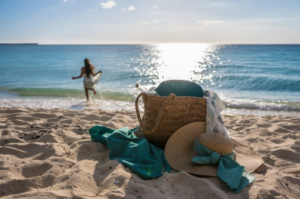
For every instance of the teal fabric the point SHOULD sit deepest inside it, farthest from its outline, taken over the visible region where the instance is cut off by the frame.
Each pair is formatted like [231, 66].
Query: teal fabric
[179, 88]
[145, 159]
[228, 170]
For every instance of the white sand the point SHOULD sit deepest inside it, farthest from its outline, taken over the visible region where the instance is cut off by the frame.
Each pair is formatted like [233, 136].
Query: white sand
[49, 154]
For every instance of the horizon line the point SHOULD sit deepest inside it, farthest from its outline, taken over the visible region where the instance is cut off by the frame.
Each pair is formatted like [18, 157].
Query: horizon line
[34, 43]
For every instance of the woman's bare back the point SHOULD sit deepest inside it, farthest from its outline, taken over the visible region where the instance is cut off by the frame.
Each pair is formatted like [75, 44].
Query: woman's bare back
[92, 70]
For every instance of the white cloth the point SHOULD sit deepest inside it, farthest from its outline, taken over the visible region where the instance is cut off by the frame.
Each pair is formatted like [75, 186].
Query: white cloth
[91, 82]
[214, 106]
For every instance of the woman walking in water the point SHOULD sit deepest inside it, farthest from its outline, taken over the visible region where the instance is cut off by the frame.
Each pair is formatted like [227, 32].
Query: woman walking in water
[90, 78]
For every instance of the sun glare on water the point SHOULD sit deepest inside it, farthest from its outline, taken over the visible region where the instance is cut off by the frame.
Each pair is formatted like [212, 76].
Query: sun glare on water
[179, 61]
[185, 61]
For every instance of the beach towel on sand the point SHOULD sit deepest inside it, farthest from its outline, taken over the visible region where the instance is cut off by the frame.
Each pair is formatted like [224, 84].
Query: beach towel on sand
[145, 159]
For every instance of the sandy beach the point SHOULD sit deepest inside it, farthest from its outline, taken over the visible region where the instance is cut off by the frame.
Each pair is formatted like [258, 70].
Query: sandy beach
[49, 154]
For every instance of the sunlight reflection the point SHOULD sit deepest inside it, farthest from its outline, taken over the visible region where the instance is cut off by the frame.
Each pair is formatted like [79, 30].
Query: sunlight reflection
[176, 61]
[182, 61]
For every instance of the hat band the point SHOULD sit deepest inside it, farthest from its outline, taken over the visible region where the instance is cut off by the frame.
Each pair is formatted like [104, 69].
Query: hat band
[228, 170]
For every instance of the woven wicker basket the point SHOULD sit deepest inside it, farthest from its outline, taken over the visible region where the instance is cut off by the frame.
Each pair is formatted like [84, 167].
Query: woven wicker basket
[164, 115]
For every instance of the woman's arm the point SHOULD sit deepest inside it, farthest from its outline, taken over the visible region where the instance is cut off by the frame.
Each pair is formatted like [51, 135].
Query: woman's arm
[79, 75]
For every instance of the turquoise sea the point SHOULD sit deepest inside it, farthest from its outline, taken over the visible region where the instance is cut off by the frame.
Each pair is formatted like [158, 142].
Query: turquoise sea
[250, 79]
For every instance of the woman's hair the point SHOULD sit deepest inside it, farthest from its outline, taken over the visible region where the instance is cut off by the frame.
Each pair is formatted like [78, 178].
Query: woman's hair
[88, 67]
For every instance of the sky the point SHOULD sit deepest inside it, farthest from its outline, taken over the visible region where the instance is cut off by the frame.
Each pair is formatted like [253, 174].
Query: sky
[150, 21]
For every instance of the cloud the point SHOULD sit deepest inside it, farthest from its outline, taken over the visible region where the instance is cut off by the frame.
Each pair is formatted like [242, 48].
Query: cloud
[130, 8]
[108, 4]
[209, 22]
[65, 1]
[155, 7]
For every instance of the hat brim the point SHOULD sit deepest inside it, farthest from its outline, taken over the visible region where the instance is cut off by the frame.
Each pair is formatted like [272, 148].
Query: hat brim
[179, 152]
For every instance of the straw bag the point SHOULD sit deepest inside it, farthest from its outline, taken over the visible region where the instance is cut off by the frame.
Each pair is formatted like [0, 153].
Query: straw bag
[164, 115]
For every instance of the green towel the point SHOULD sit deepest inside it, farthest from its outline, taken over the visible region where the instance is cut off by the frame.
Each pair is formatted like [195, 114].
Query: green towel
[228, 170]
[146, 160]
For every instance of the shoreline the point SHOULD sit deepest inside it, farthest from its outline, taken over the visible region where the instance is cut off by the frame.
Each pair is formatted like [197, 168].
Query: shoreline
[49, 153]
[113, 105]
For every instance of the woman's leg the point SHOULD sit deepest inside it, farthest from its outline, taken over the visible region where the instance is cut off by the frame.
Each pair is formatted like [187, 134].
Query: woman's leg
[92, 89]
[86, 93]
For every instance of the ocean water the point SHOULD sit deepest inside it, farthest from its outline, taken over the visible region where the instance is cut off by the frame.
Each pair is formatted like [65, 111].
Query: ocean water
[250, 79]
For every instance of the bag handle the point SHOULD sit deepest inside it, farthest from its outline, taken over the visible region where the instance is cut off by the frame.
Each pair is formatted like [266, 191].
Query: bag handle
[160, 114]
[137, 108]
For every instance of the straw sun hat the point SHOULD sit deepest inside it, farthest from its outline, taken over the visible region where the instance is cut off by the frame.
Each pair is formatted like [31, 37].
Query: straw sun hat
[179, 150]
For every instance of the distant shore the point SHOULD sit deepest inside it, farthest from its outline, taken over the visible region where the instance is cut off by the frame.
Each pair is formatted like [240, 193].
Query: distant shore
[19, 44]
